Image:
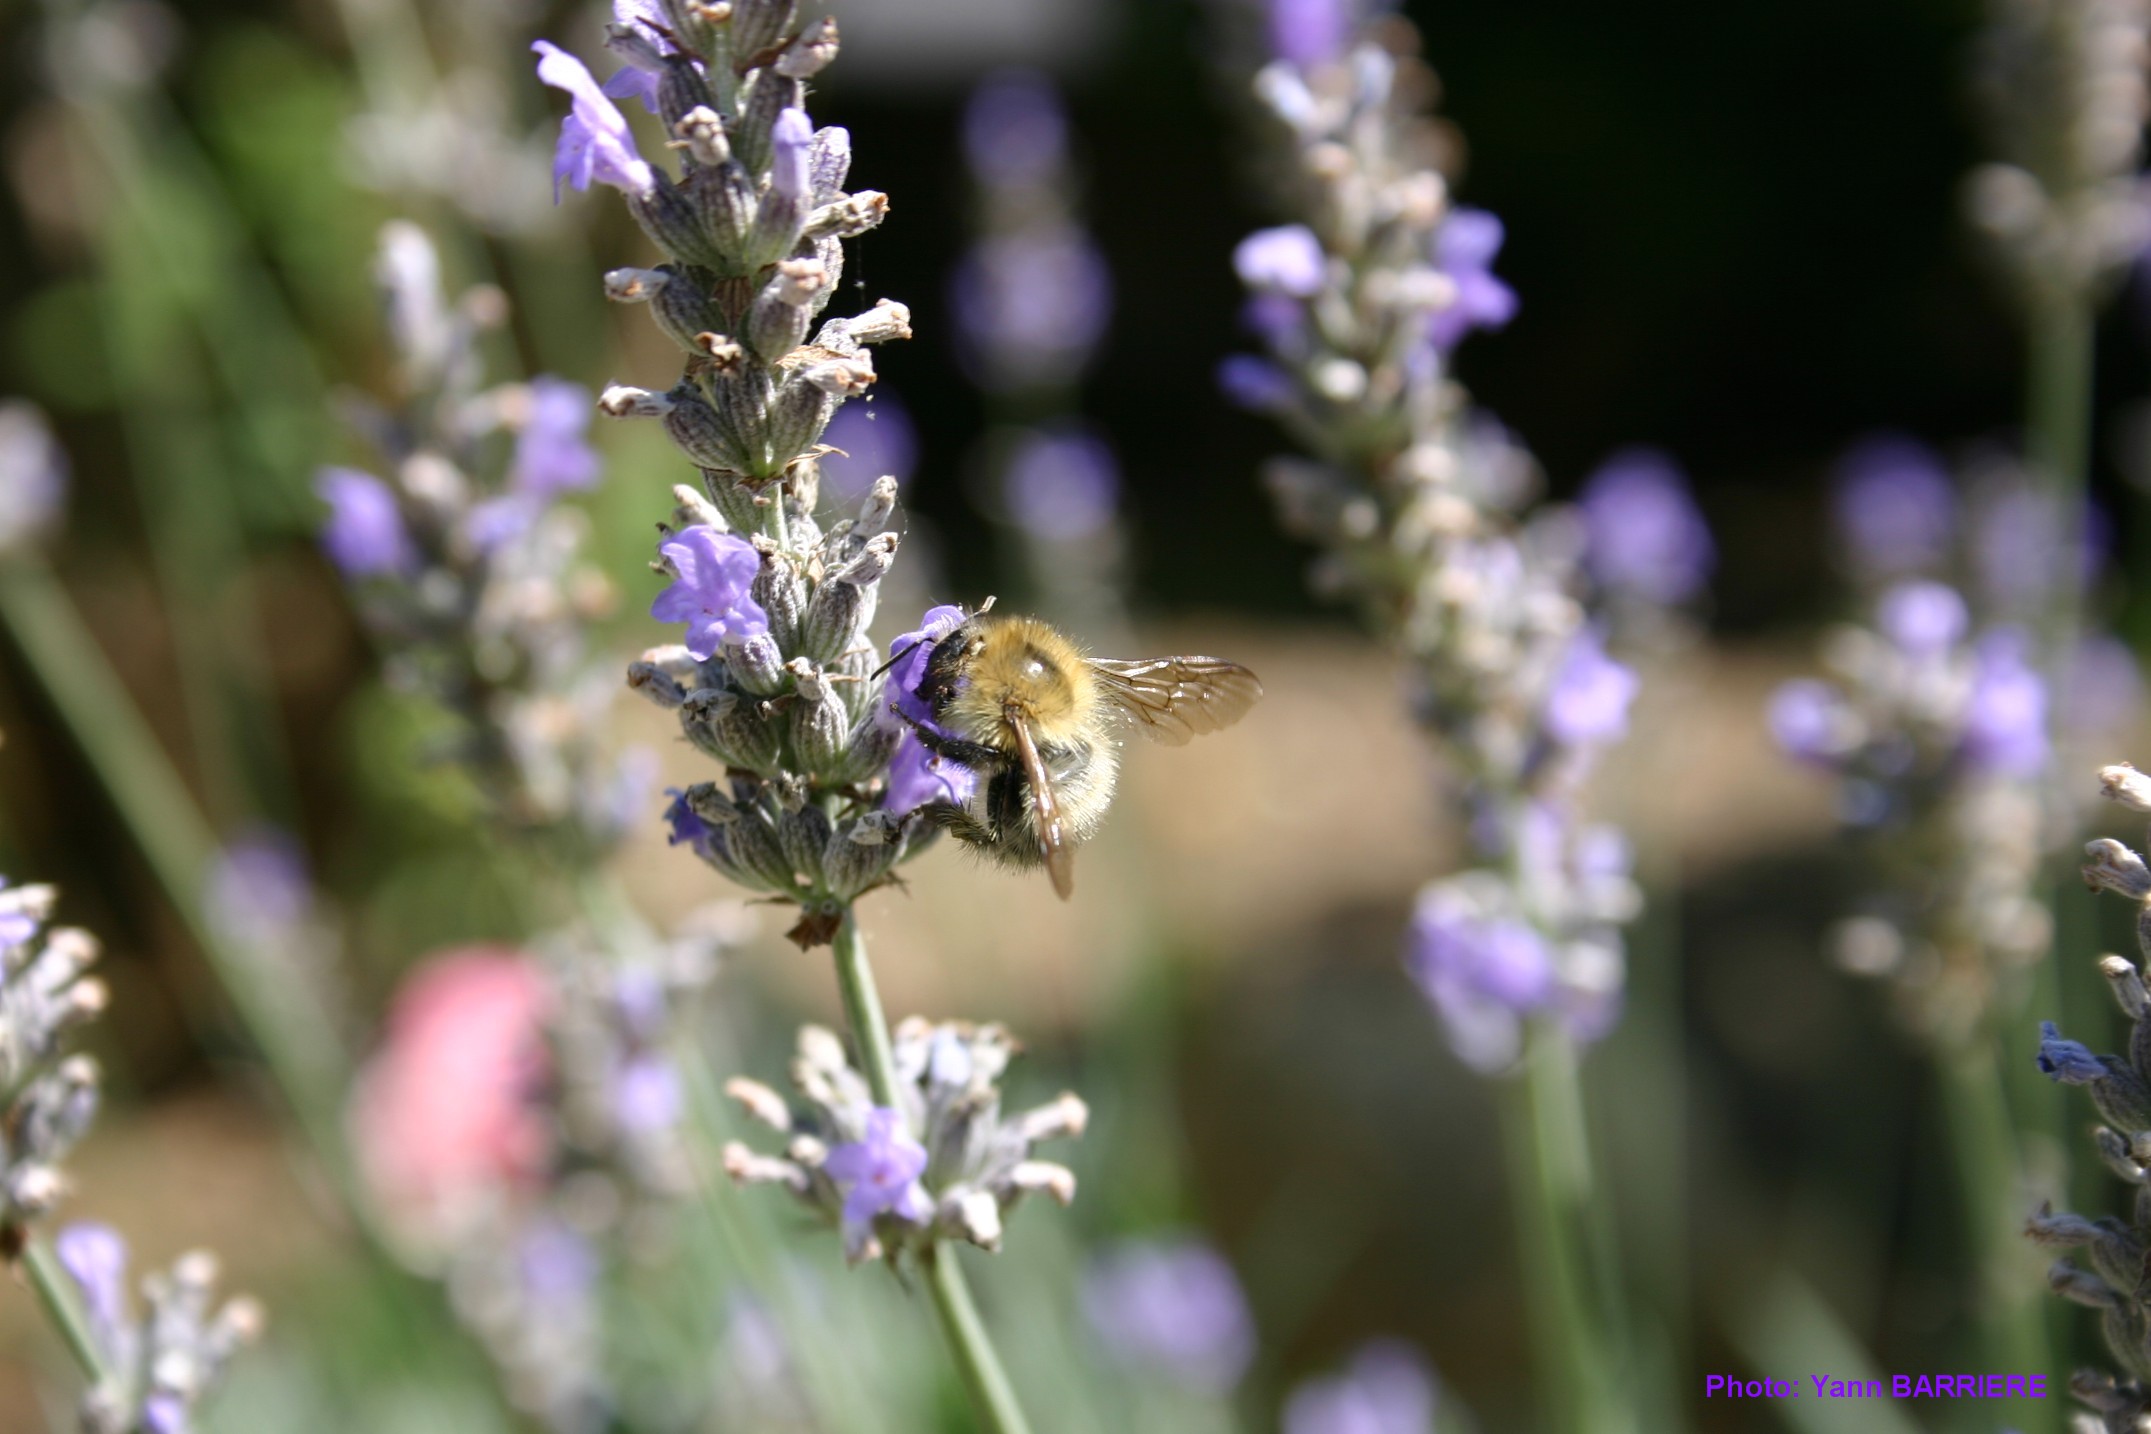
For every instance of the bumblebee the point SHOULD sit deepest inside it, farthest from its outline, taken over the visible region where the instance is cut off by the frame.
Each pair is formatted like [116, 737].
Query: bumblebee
[1037, 719]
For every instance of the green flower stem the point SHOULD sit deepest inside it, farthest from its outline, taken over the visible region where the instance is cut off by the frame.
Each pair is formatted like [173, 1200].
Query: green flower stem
[2058, 398]
[2009, 1309]
[991, 1394]
[100, 714]
[55, 1291]
[1566, 1243]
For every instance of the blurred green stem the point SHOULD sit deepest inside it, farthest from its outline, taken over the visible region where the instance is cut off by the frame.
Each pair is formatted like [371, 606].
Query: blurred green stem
[2009, 1310]
[992, 1395]
[160, 812]
[56, 1292]
[1565, 1240]
[2062, 332]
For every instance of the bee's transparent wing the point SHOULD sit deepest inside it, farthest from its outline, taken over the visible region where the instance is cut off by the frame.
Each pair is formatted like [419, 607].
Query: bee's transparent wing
[1046, 807]
[1170, 699]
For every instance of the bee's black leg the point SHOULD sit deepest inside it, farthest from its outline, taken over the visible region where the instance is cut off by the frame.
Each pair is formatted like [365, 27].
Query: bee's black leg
[976, 755]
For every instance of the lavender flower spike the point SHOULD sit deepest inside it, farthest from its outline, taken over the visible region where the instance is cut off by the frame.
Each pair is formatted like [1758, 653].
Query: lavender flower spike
[1284, 260]
[1387, 1389]
[1174, 1307]
[1645, 538]
[595, 143]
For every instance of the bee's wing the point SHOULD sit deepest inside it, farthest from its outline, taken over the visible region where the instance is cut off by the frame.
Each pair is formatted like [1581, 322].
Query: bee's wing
[1170, 699]
[1046, 807]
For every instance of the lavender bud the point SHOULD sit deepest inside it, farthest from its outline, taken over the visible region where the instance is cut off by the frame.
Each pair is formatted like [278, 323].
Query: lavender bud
[635, 286]
[808, 55]
[702, 132]
[676, 220]
[2116, 1153]
[843, 603]
[820, 725]
[878, 509]
[782, 593]
[871, 744]
[760, 1102]
[750, 844]
[758, 665]
[656, 684]
[2081, 1286]
[683, 309]
[730, 728]
[1043, 1176]
[847, 218]
[699, 432]
[973, 1215]
[852, 866]
[691, 508]
[781, 312]
[722, 199]
[744, 1167]
[621, 400]
[2127, 985]
[2122, 783]
[803, 836]
[830, 163]
[2113, 867]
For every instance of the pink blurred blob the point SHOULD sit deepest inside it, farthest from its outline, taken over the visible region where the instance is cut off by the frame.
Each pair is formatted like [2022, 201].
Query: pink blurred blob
[445, 1116]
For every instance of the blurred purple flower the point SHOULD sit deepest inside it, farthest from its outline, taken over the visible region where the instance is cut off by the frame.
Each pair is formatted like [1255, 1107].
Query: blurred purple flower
[1062, 485]
[166, 1413]
[499, 521]
[258, 893]
[882, 1169]
[1255, 384]
[1031, 306]
[1284, 260]
[2069, 1062]
[1386, 1389]
[1588, 703]
[557, 1263]
[646, 1094]
[33, 473]
[2104, 687]
[95, 1258]
[1644, 534]
[1894, 507]
[2005, 715]
[2017, 546]
[791, 144]
[1924, 619]
[1480, 973]
[364, 535]
[1805, 720]
[1273, 317]
[1464, 249]
[1307, 33]
[1173, 1307]
[551, 455]
[877, 437]
[710, 594]
[1015, 132]
[595, 143]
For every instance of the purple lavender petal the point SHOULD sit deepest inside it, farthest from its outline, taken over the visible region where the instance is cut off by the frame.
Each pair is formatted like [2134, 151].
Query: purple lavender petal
[1894, 506]
[1805, 718]
[595, 142]
[1464, 249]
[95, 1258]
[259, 893]
[711, 593]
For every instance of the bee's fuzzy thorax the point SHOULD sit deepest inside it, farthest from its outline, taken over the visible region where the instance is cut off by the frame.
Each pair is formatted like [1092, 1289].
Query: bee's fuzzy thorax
[1023, 662]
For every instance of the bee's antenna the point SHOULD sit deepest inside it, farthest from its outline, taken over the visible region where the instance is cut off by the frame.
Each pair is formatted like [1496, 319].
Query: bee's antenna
[985, 607]
[896, 657]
